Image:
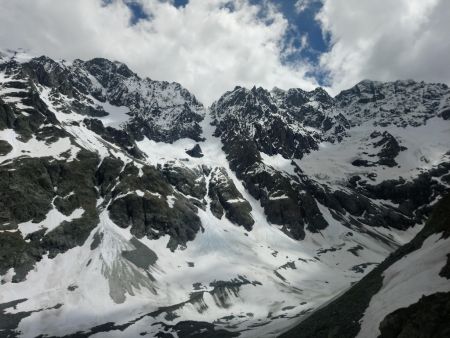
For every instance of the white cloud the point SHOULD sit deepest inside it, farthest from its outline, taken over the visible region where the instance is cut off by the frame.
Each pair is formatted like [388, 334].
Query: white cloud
[205, 46]
[302, 5]
[209, 48]
[386, 40]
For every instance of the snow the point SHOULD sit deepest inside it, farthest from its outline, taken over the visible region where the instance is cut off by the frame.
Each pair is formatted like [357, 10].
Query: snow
[278, 162]
[4, 91]
[426, 147]
[235, 200]
[8, 276]
[406, 281]
[155, 194]
[90, 302]
[85, 137]
[117, 115]
[52, 220]
[160, 152]
[35, 148]
[171, 200]
[223, 251]
[281, 197]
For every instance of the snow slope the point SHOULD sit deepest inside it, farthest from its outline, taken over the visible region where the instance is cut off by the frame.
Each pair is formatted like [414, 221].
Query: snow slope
[406, 281]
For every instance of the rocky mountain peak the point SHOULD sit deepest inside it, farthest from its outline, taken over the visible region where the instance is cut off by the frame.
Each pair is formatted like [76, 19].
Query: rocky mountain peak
[159, 110]
[398, 103]
[127, 208]
[98, 67]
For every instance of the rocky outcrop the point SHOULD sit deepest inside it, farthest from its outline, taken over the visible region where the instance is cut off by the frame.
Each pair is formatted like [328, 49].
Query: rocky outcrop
[5, 147]
[153, 216]
[426, 318]
[255, 116]
[27, 122]
[118, 137]
[150, 206]
[196, 151]
[196, 329]
[413, 197]
[29, 192]
[389, 149]
[189, 181]
[77, 178]
[310, 109]
[26, 191]
[225, 198]
[160, 110]
[382, 145]
[18, 254]
[282, 196]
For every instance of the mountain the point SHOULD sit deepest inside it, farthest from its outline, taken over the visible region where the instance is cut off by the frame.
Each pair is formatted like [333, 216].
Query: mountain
[129, 209]
[407, 295]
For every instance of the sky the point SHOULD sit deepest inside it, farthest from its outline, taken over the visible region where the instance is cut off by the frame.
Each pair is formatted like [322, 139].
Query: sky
[211, 46]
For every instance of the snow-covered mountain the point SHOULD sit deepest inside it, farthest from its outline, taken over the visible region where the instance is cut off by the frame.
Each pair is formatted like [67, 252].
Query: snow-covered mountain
[129, 209]
[407, 295]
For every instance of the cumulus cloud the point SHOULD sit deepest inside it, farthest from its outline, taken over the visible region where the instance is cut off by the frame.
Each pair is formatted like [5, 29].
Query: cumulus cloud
[207, 46]
[386, 40]
[210, 46]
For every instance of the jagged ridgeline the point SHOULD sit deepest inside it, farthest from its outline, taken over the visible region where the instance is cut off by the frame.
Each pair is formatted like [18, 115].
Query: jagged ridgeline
[128, 209]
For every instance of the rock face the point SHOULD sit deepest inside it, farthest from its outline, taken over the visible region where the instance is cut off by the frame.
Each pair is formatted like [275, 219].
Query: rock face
[196, 151]
[161, 111]
[426, 318]
[40, 186]
[254, 115]
[152, 208]
[189, 181]
[5, 148]
[123, 210]
[389, 149]
[225, 198]
[256, 125]
[393, 103]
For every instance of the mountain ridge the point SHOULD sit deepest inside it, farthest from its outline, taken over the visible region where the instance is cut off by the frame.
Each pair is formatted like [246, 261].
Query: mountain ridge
[352, 304]
[287, 193]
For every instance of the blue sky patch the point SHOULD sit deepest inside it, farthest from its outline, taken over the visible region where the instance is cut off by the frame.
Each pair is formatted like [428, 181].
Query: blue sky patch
[305, 35]
[137, 12]
[180, 3]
